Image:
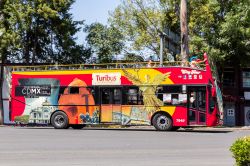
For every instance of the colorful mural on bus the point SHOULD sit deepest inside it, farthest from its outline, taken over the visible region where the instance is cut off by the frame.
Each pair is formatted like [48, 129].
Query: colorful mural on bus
[93, 96]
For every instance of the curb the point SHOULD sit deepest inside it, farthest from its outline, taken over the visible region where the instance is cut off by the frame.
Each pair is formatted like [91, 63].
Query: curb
[222, 128]
[110, 126]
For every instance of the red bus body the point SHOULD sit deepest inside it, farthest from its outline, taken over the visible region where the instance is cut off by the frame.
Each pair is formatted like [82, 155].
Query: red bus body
[115, 96]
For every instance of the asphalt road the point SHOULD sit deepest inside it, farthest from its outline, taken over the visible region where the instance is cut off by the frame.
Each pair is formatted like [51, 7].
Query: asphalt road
[23, 146]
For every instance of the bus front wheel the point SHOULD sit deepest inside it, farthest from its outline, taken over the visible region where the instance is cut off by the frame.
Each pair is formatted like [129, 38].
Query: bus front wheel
[59, 120]
[162, 122]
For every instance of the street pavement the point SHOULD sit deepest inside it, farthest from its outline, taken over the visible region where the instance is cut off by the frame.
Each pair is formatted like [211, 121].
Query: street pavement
[45, 146]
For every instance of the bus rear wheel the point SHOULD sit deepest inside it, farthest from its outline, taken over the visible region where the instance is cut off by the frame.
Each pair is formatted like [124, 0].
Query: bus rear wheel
[162, 122]
[59, 120]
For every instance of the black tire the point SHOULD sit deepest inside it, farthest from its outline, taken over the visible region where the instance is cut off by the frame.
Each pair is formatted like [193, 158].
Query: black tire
[78, 126]
[59, 120]
[162, 122]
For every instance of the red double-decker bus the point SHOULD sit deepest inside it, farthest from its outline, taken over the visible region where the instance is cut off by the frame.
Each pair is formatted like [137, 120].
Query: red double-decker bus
[165, 97]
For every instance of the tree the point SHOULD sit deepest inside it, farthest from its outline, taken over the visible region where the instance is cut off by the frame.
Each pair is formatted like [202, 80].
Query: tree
[8, 37]
[184, 31]
[5, 40]
[222, 28]
[204, 25]
[105, 41]
[142, 22]
[43, 31]
[234, 34]
[132, 57]
[215, 26]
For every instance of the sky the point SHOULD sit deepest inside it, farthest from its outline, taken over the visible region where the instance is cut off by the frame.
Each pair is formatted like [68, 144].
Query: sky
[92, 11]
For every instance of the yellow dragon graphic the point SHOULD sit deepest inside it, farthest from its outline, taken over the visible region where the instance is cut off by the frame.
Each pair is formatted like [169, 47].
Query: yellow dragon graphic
[148, 89]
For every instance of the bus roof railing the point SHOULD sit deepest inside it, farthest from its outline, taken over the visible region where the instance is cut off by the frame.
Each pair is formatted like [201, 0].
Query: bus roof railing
[100, 66]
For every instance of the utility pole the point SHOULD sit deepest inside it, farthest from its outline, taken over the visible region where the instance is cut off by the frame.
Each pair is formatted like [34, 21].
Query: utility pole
[162, 37]
[184, 32]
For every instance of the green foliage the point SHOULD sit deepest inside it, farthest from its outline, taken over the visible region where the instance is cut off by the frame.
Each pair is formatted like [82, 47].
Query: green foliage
[130, 57]
[43, 31]
[38, 31]
[220, 28]
[235, 33]
[106, 41]
[241, 151]
[141, 22]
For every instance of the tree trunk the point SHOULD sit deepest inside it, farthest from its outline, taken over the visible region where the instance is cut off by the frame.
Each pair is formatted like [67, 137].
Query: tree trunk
[26, 49]
[184, 32]
[3, 53]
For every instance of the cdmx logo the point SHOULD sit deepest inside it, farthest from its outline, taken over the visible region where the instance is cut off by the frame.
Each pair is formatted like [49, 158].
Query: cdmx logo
[33, 91]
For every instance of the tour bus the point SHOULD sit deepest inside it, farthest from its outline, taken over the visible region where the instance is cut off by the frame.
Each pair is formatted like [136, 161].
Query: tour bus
[167, 97]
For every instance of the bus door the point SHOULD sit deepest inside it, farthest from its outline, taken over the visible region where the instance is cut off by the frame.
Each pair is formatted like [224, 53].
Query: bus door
[111, 105]
[197, 105]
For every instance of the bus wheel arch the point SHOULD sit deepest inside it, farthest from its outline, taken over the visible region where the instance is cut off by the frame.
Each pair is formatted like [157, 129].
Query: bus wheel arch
[162, 121]
[59, 120]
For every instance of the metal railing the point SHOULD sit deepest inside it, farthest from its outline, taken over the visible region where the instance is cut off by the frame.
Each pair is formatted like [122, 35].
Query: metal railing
[100, 66]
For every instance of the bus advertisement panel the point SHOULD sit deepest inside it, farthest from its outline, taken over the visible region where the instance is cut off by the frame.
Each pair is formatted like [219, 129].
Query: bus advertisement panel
[166, 97]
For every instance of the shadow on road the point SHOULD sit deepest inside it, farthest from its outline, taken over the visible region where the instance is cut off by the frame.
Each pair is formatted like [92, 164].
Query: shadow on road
[205, 131]
[153, 130]
[182, 130]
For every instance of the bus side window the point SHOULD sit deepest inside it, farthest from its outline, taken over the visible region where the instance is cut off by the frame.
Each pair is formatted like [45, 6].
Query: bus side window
[175, 99]
[132, 96]
[105, 96]
[73, 90]
[160, 93]
[201, 99]
[94, 91]
[140, 98]
[192, 100]
[124, 95]
[211, 104]
[62, 89]
[117, 96]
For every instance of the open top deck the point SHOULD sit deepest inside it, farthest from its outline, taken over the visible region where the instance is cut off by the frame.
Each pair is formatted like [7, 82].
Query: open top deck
[138, 65]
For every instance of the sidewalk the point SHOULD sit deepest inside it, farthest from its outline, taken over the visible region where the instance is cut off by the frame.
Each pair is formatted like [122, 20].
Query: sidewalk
[229, 128]
[218, 129]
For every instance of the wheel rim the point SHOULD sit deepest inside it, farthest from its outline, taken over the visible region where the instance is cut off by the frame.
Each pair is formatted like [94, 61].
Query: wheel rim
[59, 120]
[163, 122]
